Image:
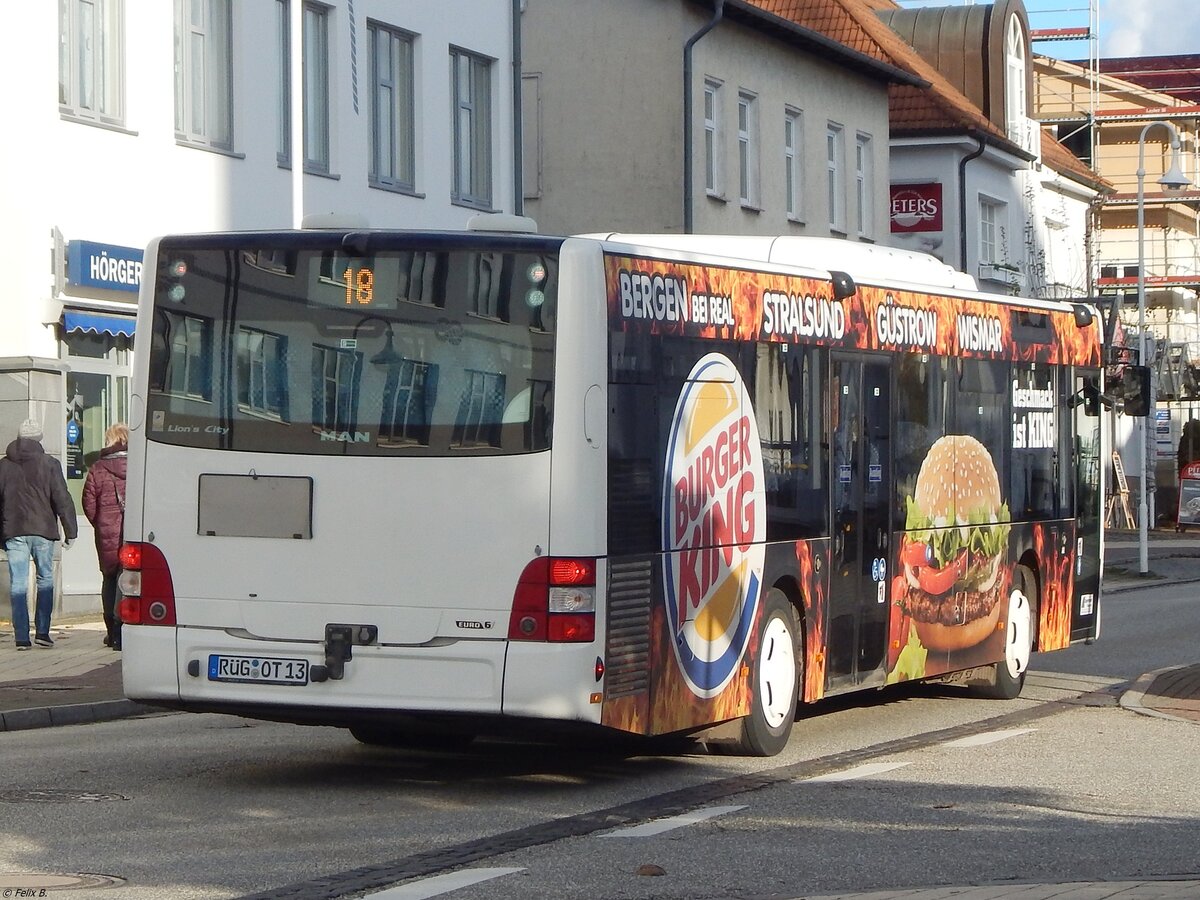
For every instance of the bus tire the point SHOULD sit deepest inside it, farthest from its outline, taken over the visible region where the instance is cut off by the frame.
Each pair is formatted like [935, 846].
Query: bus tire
[775, 680]
[1018, 638]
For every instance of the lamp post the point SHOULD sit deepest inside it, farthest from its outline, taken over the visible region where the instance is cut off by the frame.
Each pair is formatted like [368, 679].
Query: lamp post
[1172, 180]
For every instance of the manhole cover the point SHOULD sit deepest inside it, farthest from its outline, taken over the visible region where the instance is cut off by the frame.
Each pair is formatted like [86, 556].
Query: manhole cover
[51, 795]
[14, 884]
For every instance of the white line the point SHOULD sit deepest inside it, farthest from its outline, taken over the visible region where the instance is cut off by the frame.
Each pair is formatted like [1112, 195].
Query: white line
[658, 826]
[440, 884]
[864, 771]
[989, 737]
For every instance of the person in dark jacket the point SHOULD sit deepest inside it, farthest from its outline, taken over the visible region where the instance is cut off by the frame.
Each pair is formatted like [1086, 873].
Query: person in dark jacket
[33, 500]
[104, 506]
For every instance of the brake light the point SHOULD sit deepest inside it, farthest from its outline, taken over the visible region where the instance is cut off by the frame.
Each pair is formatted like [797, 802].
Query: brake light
[555, 601]
[148, 594]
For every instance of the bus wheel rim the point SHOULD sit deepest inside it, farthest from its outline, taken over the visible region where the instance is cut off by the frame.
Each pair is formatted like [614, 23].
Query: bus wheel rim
[1018, 646]
[777, 673]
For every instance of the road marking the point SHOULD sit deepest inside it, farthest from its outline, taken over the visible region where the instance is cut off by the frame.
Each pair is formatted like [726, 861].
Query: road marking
[865, 771]
[440, 884]
[658, 826]
[988, 737]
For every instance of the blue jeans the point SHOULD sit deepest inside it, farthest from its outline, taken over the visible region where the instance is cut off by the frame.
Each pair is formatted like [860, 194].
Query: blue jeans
[19, 550]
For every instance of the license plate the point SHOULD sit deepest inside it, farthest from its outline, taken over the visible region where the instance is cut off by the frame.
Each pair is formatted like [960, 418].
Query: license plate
[257, 669]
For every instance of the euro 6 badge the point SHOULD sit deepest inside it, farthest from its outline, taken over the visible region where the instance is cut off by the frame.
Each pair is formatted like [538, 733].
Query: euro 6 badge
[714, 525]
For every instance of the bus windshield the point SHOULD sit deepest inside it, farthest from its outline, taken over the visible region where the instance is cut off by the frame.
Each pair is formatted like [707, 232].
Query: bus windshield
[298, 346]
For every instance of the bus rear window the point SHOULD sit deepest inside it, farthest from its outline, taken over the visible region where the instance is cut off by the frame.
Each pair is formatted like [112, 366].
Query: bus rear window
[309, 350]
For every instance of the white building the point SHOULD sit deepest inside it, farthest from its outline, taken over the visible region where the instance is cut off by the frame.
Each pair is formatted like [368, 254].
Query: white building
[158, 117]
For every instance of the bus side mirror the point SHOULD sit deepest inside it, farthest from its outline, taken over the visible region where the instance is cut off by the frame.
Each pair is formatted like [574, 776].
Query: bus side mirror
[1135, 391]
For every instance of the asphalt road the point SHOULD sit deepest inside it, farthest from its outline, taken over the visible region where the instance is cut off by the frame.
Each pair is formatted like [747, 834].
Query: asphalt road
[1065, 786]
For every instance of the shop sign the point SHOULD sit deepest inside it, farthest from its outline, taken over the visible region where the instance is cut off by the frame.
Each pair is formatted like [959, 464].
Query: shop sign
[107, 266]
[916, 207]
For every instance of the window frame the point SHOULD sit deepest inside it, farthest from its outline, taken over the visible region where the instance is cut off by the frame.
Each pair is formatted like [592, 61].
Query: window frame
[990, 231]
[864, 184]
[793, 163]
[105, 67]
[714, 185]
[392, 162]
[748, 150]
[211, 125]
[835, 168]
[317, 127]
[471, 104]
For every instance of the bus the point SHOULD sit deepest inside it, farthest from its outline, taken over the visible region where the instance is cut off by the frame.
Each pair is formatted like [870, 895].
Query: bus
[428, 486]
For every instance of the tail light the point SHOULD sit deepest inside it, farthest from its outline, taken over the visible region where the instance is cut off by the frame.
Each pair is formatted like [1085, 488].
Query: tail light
[148, 596]
[555, 601]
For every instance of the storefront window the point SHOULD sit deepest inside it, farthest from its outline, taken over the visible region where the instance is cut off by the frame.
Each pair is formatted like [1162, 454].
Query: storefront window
[97, 396]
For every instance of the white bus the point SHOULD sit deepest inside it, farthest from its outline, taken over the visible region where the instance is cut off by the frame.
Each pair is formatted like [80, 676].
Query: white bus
[427, 486]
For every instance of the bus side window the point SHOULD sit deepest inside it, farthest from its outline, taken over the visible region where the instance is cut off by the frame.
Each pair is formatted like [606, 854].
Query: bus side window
[788, 403]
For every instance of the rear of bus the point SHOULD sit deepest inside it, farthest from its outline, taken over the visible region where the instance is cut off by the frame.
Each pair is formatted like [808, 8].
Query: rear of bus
[362, 487]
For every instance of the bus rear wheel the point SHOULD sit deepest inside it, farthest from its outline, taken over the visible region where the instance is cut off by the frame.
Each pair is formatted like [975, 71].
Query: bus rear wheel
[775, 680]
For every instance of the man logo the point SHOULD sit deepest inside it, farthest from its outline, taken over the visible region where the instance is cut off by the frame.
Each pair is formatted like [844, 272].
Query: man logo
[714, 525]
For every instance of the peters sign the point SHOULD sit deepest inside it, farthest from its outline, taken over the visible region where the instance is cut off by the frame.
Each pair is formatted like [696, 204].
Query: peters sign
[916, 207]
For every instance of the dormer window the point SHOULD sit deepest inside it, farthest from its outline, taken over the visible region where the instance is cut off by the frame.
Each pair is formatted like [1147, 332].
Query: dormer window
[1016, 112]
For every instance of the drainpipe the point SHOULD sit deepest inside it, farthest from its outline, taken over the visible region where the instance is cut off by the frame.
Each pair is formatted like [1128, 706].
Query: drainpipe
[517, 125]
[718, 12]
[962, 195]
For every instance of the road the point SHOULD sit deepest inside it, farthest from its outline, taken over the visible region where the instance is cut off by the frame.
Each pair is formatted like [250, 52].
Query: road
[1058, 785]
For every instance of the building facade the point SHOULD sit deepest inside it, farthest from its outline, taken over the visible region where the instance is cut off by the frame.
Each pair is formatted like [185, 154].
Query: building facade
[158, 117]
[682, 116]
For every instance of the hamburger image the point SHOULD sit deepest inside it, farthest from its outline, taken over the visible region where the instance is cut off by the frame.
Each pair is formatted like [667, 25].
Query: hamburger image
[953, 556]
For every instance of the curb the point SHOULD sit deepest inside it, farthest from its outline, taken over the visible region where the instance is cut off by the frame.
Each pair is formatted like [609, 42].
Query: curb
[71, 714]
[1132, 698]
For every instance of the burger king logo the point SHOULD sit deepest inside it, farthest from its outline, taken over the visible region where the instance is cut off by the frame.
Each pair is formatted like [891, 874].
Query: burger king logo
[714, 524]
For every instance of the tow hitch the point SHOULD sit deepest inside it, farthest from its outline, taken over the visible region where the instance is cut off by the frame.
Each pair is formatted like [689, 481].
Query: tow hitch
[339, 643]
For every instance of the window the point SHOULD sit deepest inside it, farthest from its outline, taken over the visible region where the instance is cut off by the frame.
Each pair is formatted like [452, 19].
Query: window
[990, 231]
[1035, 482]
[793, 163]
[188, 345]
[316, 87]
[712, 139]
[390, 57]
[1014, 82]
[203, 63]
[91, 59]
[864, 187]
[789, 402]
[748, 149]
[283, 148]
[471, 78]
[262, 372]
[834, 155]
[335, 375]
[407, 403]
[480, 408]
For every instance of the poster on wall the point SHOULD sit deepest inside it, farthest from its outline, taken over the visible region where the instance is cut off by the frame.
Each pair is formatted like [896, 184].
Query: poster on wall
[1164, 446]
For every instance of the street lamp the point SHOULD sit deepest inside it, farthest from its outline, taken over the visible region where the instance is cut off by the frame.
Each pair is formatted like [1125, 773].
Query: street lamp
[1172, 180]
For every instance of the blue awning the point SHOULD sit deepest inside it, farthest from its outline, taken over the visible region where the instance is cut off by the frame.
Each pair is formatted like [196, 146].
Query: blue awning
[98, 323]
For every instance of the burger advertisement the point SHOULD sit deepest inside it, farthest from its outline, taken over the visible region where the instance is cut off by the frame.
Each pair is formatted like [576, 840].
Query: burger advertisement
[953, 567]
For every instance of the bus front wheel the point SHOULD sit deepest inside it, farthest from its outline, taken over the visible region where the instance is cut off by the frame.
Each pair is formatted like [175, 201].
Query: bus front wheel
[775, 680]
[1020, 624]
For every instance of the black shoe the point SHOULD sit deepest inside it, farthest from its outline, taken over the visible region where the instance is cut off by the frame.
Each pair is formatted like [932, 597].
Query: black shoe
[116, 646]
[43, 640]
[107, 641]
[23, 645]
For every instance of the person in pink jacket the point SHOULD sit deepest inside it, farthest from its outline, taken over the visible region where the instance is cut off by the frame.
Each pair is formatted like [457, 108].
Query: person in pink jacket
[104, 506]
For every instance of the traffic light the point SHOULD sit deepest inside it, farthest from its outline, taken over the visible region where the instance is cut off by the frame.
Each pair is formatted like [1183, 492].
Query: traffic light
[1135, 391]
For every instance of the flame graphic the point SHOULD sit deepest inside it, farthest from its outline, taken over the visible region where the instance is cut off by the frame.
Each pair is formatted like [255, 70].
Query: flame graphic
[809, 560]
[1055, 550]
[1068, 343]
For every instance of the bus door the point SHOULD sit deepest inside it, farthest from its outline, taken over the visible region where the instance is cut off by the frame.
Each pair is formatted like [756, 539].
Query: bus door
[861, 489]
[1084, 436]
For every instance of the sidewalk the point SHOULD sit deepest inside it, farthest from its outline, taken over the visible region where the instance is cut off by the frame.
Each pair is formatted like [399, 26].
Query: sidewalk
[78, 680]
